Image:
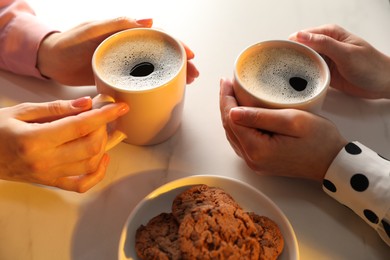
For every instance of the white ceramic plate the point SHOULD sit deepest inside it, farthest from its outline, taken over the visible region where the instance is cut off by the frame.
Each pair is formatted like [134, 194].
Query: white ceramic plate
[248, 197]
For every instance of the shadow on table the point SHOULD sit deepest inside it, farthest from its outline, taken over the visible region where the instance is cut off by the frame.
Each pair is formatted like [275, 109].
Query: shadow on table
[16, 89]
[97, 233]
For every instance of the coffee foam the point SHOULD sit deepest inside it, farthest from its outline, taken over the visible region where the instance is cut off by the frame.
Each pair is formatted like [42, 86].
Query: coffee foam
[266, 74]
[117, 62]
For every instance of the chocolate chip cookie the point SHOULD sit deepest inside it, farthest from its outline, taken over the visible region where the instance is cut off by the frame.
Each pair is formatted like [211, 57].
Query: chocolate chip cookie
[207, 223]
[222, 232]
[200, 196]
[159, 238]
[270, 238]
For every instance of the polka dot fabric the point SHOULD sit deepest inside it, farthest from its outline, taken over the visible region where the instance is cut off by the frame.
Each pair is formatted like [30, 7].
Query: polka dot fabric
[359, 178]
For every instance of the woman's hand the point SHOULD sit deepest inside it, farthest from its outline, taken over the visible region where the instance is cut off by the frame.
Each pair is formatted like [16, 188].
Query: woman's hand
[192, 71]
[356, 67]
[60, 143]
[66, 56]
[284, 142]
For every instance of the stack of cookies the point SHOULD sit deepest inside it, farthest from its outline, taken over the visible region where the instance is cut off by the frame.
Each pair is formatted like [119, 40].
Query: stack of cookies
[207, 223]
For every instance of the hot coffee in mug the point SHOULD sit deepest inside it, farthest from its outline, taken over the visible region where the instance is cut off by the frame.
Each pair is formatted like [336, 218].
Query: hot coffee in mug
[145, 68]
[140, 63]
[281, 74]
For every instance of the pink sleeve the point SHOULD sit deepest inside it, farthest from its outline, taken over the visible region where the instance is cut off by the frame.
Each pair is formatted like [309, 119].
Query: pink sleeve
[21, 32]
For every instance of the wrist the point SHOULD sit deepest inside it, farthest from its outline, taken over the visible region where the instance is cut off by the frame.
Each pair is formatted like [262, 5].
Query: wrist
[333, 152]
[45, 57]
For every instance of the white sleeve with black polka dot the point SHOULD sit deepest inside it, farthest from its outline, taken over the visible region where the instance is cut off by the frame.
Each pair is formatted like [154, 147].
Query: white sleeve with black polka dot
[359, 178]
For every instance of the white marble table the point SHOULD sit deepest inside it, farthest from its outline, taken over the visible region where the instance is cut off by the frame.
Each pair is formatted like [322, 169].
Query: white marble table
[45, 223]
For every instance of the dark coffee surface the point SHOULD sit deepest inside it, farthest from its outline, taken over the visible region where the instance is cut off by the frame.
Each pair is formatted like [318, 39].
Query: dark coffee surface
[281, 75]
[142, 62]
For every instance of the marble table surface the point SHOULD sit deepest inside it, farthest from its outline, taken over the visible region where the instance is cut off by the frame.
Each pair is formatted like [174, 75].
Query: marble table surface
[45, 223]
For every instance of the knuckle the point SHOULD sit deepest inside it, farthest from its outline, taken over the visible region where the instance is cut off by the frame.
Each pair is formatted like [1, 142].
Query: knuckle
[92, 164]
[25, 107]
[295, 120]
[97, 142]
[334, 27]
[255, 117]
[84, 125]
[322, 40]
[23, 149]
[252, 116]
[37, 169]
[225, 125]
[82, 188]
[253, 159]
[25, 145]
[254, 165]
[40, 166]
[56, 108]
[123, 20]
[81, 128]
[93, 178]
[95, 148]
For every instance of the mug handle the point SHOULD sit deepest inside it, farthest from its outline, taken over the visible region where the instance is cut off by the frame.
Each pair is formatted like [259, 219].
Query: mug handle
[114, 136]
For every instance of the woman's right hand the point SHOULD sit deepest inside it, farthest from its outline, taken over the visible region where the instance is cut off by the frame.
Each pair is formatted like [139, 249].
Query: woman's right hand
[278, 141]
[60, 143]
[357, 68]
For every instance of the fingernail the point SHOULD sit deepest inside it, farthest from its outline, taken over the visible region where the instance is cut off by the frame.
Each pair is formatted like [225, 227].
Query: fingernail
[303, 36]
[148, 22]
[82, 102]
[123, 109]
[236, 113]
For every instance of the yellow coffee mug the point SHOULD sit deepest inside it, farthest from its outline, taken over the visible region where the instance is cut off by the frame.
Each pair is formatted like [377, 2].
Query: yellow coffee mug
[156, 100]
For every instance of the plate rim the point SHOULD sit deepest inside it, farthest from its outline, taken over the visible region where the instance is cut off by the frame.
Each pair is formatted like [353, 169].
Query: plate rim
[177, 183]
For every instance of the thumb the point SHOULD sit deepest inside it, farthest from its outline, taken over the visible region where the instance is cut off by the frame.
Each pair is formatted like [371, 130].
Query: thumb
[50, 111]
[279, 121]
